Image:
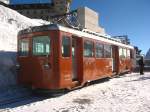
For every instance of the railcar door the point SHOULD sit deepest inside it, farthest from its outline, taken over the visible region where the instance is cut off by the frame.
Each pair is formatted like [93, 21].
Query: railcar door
[74, 59]
[115, 55]
[77, 58]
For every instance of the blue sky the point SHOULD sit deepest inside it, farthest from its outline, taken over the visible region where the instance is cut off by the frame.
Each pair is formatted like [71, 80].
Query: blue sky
[123, 17]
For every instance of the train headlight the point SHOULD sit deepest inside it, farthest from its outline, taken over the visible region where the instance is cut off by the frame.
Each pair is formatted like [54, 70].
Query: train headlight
[46, 66]
[17, 66]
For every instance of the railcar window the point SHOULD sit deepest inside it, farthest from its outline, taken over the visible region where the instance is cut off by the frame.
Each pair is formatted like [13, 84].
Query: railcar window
[99, 50]
[122, 53]
[88, 49]
[125, 53]
[128, 53]
[41, 45]
[132, 54]
[66, 47]
[107, 51]
[23, 47]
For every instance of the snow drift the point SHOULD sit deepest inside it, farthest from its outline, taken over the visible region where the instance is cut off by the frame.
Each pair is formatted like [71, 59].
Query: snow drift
[10, 23]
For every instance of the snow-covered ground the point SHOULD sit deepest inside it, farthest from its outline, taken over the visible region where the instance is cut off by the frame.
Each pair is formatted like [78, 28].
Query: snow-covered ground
[10, 23]
[129, 93]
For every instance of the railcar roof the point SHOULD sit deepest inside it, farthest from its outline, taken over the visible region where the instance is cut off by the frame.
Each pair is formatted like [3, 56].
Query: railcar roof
[79, 33]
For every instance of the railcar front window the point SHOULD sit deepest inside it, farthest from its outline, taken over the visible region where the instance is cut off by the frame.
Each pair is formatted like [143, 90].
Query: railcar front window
[88, 49]
[41, 45]
[23, 47]
[107, 51]
[66, 47]
[99, 50]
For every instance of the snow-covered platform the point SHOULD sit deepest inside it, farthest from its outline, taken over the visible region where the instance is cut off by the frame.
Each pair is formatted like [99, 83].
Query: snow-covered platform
[128, 93]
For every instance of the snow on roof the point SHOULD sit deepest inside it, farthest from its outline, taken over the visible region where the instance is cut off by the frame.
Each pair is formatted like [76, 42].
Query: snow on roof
[96, 36]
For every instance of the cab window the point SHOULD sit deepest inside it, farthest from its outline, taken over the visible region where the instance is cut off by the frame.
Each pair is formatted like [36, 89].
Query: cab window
[41, 45]
[23, 47]
[65, 47]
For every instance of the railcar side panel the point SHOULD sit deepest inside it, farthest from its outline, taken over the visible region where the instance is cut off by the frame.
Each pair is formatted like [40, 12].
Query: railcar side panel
[103, 68]
[88, 68]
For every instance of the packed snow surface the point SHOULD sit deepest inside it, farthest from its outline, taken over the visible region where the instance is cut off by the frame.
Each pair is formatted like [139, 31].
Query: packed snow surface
[10, 23]
[128, 93]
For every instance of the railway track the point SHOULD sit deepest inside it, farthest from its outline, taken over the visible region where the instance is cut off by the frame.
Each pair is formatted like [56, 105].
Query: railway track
[14, 94]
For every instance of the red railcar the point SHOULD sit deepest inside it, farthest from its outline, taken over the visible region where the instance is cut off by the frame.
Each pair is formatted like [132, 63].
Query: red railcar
[55, 57]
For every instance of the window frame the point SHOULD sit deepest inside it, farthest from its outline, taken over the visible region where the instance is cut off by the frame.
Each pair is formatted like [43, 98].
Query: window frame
[93, 49]
[124, 53]
[50, 45]
[104, 51]
[20, 47]
[99, 43]
[128, 53]
[61, 46]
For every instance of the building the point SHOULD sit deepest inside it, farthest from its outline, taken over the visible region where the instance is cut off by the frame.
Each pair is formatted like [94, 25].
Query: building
[89, 19]
[38, 9]
[86, 18]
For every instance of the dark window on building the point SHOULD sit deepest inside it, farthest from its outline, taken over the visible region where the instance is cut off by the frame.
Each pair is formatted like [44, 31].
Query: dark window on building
[65, 47]
[35, 12]
[107, 51]
[41, 45]
[99, 50]
[23, 47]
[42, 12]
[88, 49]
[28, 12]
